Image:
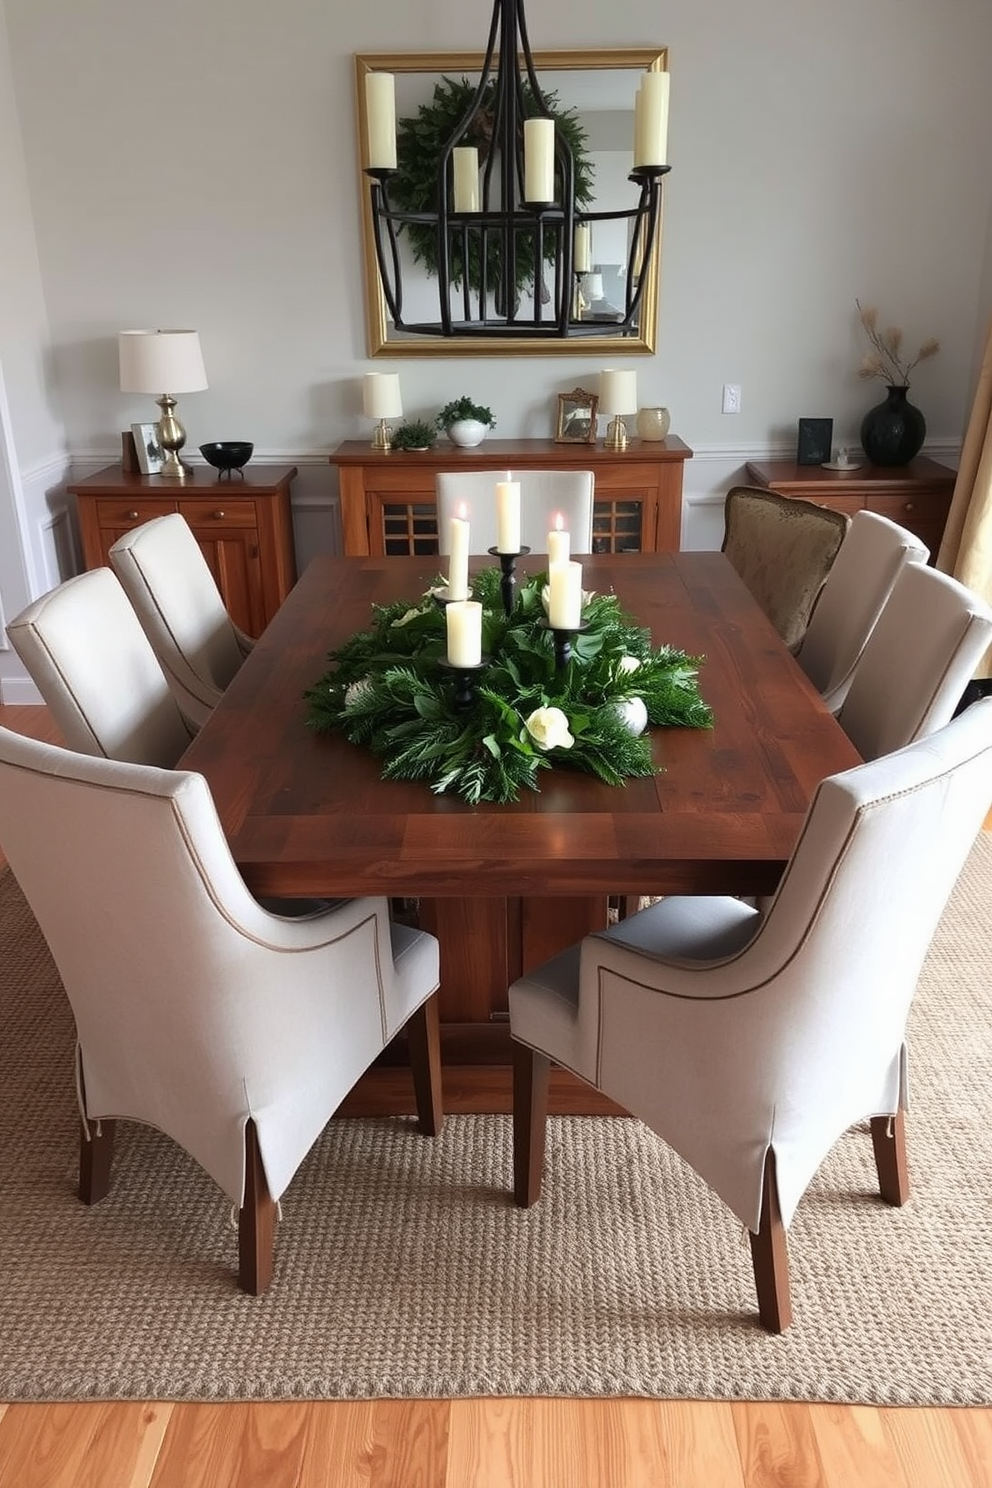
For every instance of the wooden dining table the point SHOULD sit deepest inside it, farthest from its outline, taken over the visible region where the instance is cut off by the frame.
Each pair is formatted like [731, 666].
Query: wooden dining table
[505, 886]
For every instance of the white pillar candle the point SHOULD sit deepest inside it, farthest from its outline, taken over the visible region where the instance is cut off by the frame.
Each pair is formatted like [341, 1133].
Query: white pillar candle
[508, 516]
[559, 547]
[465, 165]
[565, 601]
[539, 160]
[464, 625]
[458, 537]
[651, 120]
[582, 252]
[380, 112]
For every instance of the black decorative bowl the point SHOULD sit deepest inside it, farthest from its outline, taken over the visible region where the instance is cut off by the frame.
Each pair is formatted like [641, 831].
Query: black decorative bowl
[226, 455]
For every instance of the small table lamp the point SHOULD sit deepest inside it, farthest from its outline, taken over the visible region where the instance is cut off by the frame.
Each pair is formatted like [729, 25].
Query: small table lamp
[153, 360]
[381, 401]
[617, 396]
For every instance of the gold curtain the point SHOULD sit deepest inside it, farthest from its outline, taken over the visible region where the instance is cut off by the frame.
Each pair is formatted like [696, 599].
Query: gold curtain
[966, 550]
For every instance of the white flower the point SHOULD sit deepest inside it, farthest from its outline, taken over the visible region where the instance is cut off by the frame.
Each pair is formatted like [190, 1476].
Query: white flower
[405, 619]
[588, 595]
[548, 727]
[357, 690]
[628, 664]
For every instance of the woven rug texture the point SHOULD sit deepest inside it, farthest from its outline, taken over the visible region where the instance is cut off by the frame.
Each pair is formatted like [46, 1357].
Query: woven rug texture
[403, 1268]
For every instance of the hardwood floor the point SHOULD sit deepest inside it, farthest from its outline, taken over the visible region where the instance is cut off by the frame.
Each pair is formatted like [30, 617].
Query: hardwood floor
[485, 1443]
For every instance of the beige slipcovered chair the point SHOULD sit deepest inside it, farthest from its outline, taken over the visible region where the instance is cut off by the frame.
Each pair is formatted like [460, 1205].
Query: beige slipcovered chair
[750, 1042]
[543, 495]
[88, 657]
[175, 597]
[858, 584]
[917, 662]
[235, 1031]
[782, 548]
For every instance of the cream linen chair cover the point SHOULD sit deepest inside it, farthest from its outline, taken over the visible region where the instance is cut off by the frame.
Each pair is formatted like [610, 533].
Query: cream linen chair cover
[543, 494]
[858, 584]
[89, 658]
[751, 1042]
[233, 1030]
[917, 662]
[782, 548]
[169, 583]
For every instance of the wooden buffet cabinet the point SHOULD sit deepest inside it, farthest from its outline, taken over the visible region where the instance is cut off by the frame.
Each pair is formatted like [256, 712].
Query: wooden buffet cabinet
[244, 527]
[388, 505]
[917, 495]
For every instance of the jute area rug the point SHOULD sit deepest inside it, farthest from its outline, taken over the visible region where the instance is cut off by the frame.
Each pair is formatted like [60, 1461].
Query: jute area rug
[403, 1269]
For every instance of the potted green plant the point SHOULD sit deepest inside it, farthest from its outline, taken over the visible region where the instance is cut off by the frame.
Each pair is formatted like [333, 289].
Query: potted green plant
[415, 434]
[465, 422]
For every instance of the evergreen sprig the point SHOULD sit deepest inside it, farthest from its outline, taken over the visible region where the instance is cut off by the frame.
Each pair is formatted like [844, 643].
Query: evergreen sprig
[388, 691]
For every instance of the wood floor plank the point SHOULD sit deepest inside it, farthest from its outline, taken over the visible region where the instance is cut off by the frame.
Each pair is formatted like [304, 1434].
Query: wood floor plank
[82, 1445]
[777, 1445]
[854, 1447]
[930, 1448]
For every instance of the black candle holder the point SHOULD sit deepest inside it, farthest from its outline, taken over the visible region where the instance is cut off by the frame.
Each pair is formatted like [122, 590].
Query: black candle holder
[508, 583]
[465, 679]
[563, 641]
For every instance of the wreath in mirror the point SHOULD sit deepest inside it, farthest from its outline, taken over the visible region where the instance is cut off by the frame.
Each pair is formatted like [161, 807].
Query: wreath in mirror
[419, 143]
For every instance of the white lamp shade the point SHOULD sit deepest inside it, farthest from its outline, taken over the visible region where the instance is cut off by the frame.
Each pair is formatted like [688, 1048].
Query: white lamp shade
[381, 395]
[592, 286]
[617, 392]
[161, 362]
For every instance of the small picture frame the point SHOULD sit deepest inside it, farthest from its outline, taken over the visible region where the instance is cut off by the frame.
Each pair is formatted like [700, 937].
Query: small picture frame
[813, 446]
[150, 454]
[576, 417]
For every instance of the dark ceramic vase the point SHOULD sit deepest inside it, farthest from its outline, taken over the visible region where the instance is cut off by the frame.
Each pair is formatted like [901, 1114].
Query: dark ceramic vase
[894, 431]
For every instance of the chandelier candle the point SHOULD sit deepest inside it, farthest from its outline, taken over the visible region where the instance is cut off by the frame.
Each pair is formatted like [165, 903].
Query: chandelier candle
[465, 164]
[380, 113]
[539, 160]
[565, 602]
[559, 543]
[651, 120]
[464, 625]
[582, 252]
[458, 540]
[508, 516]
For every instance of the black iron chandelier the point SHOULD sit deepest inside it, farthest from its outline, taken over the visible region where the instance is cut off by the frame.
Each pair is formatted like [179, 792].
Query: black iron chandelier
[504, 211]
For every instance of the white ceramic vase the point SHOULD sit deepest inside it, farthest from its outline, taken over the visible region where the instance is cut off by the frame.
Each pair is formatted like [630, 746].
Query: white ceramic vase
[467, 432]
[653, 423]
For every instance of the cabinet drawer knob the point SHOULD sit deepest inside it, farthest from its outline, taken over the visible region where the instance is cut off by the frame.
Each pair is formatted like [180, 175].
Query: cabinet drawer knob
[132, 516]
[218, 516]
[910, 505]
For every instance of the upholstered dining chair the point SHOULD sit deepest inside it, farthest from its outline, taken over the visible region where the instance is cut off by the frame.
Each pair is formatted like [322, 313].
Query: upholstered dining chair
[89, 658]
[544, 494]
[750, 1042]
[176, 599]
[857, 586]
[916, 663]
[234, 1031]
[783, 548]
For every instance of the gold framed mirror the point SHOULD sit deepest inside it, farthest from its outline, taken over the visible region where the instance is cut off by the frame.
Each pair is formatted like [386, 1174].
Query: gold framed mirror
[600, 86]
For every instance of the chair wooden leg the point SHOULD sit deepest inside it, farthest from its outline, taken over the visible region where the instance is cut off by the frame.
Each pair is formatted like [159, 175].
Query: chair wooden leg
[770, 1257]
[256, 1223]
[531, 1072]
[888, 1137]
[96, 1156]
[423, 1033]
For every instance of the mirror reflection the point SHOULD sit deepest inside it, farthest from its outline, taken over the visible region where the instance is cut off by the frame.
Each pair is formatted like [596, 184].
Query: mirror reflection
[611, 283]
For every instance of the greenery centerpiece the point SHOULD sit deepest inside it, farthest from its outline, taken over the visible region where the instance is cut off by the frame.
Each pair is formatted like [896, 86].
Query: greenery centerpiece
[389, 690]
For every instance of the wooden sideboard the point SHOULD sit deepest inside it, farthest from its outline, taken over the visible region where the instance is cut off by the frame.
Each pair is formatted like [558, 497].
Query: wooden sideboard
[917, 495]
[388, 506]
[244, 527]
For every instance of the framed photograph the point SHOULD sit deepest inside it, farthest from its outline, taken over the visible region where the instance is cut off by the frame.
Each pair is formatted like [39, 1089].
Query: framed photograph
[813, 447]
[151, 455]
[576, 417]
